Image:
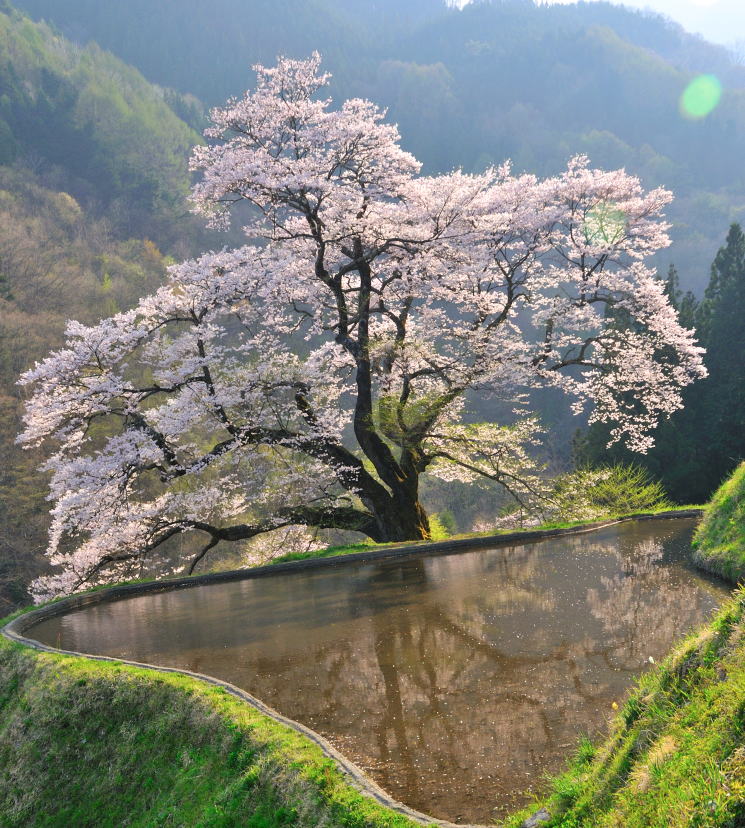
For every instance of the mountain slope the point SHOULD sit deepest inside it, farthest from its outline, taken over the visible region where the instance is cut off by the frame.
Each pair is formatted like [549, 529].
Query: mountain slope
[98, 123]
[497, 80]
[93, 179]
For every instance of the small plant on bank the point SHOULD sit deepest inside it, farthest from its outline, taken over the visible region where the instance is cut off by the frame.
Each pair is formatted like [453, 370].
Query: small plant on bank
[590, 494]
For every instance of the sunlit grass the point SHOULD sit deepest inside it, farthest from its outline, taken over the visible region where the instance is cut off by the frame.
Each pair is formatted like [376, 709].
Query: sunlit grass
[84, 742]
[719, 543]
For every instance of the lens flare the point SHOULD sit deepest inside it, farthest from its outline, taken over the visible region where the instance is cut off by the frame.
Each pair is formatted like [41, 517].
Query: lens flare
[701, 97]
[605, 225]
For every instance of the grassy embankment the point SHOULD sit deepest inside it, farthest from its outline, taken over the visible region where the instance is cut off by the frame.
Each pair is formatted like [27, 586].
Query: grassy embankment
[719, 545]
[90, 743]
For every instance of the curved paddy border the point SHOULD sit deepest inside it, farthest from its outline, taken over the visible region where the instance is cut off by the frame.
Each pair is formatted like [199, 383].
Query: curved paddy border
[17, 628]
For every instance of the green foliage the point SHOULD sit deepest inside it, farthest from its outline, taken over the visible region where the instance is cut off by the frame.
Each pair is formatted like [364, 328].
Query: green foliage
[612, 490]
[448, 521]
[720, 538]
[438, 529]
[623, 490]
[396, 420]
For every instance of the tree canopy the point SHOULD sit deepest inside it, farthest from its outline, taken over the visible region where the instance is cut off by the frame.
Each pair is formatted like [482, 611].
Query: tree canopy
[314, 374]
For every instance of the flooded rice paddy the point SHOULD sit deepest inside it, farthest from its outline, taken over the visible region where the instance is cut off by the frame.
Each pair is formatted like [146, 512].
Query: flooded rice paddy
[457, 682]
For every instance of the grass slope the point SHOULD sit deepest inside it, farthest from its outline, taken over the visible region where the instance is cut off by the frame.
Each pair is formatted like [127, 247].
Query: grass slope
[676, 752]
[89, 743]
[720, 539]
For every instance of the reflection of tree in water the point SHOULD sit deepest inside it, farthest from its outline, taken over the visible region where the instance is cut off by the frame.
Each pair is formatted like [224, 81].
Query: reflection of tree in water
[429, 664]
[463, 718]
[442, 713]
[646, 606]
[462, 678]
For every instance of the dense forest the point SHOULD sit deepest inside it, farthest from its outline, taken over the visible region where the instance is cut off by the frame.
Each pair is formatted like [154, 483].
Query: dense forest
[99, 110]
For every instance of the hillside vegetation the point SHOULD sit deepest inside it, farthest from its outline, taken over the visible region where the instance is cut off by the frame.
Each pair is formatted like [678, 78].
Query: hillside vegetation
[720, 539]
[93, 184]
[56, 263]
[497, 80]
[94, 123]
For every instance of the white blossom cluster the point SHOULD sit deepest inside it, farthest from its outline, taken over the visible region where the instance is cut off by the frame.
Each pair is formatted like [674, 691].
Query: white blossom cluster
[309, 377]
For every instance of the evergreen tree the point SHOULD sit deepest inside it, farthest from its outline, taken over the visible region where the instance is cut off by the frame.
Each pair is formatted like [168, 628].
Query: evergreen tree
[721, 398]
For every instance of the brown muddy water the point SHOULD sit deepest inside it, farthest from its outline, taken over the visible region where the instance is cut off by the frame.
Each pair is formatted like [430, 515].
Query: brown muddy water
[455, 681]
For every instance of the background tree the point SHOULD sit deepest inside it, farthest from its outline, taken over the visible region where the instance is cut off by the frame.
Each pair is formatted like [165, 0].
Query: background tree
[312, 376]
[719, 404]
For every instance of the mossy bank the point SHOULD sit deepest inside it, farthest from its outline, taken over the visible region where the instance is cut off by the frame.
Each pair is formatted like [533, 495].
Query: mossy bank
[89, 743]
[719, 545]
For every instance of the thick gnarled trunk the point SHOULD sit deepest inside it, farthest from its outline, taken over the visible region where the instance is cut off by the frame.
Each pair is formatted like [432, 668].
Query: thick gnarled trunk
[404, 520]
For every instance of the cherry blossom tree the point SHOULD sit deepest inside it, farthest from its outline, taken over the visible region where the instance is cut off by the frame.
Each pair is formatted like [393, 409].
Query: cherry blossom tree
[310, 377]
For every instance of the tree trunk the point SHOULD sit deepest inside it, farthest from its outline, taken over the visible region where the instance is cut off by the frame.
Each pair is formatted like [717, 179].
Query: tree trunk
[404, 519]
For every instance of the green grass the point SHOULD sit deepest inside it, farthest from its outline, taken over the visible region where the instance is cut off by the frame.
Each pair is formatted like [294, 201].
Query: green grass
[368, 546]
[88, 743]
[719, 544]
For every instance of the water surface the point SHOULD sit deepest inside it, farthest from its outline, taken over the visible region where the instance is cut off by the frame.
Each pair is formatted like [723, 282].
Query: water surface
[457, 681]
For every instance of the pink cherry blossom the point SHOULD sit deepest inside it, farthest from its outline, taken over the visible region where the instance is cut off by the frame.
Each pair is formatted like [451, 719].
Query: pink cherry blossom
[310, 377]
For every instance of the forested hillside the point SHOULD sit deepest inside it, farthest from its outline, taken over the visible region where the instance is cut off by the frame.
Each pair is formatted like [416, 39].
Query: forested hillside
[107, 135]
[496, 80]
[93, 182]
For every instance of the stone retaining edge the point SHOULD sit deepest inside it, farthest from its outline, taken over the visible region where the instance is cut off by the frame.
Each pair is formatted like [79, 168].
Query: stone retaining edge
[15, 629]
